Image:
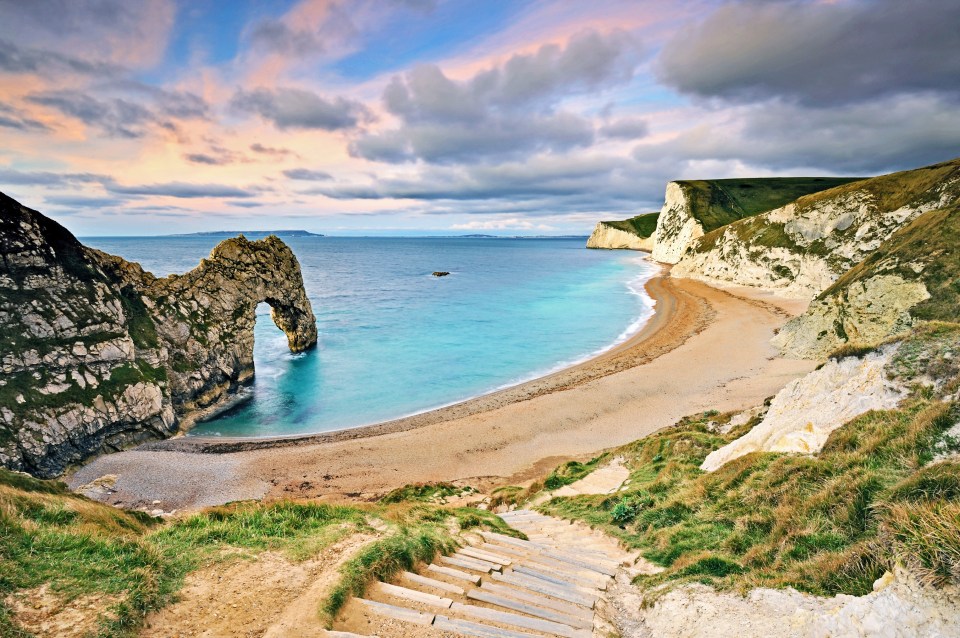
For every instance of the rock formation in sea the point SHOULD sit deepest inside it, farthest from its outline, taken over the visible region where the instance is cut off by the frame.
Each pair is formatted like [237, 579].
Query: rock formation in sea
[97, 354]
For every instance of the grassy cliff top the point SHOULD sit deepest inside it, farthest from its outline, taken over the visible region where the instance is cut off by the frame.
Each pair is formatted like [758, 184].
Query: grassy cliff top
[641, 225]
[718, 202]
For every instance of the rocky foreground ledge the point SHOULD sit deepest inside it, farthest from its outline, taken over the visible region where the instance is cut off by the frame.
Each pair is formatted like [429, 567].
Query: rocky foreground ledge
[97, 354]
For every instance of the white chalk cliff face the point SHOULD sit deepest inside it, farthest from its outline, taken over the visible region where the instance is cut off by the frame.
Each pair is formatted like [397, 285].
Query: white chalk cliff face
[870, 311]
[605, 236]
[800, 249]
[676, 226]
[806, 411]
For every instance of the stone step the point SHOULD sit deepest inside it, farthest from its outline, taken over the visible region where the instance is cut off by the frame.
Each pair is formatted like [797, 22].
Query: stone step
[430, 582]
[527, 596]
[397, 613]
[449, 572]
[528, 609]
[345, 634]
[478, 630]
[470, 563]
[504, 549]
[412, 595]
[516, 620]
[561, 577]
[547, 589]
[473, 552]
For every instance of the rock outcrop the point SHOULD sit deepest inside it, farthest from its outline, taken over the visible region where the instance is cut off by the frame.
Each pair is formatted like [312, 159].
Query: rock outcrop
[802, 248]
[635, 233]
[804, 413]
[911, 277]
[96, 354]
[693, 208]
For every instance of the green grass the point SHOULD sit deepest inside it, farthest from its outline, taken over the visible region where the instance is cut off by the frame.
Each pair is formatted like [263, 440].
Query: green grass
[827, 524]
[571, 472]
[426, 492]
[641, 225]
[718, 202]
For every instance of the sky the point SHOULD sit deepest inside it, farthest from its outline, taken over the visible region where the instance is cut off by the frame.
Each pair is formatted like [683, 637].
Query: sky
[453, 116]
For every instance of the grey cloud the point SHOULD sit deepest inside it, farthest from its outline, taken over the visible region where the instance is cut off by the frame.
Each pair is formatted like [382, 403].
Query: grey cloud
[46, 178]
[83, 202]
[626, 128]
[128, 116]
[181, 190]
[503, 112]
[203, 158]
[307, 175]
[502, 137]
[884, 135]
[291, 108]
[819, 53]
[272, 150]
[277, 37]
[17, 59]
[14, 118]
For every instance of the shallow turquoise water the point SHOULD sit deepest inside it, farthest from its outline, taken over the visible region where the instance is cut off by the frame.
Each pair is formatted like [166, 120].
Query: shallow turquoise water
[395, 340]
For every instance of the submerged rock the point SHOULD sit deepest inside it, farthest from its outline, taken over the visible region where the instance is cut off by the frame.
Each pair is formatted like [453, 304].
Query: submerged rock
[97, 354]
[440, 273]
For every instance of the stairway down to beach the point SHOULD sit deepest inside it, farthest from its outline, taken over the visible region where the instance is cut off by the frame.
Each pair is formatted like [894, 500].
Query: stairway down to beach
[500, 587]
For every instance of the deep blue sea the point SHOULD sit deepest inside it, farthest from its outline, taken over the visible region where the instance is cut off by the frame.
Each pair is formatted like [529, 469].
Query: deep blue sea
[394, 340]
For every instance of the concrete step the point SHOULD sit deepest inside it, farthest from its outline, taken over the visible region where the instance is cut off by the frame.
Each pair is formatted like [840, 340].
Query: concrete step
[539, 561]
[527, 596]
[607, 567]
[412, 595]
[509, 540]
[430, 582]
[469, 563]
[516, 620]
[473, 552]
[556, 579]
[547, 589]
[397, 613]
[449, 572]
[344, 634]
[479, 630]
[528, 609]
[504, 549]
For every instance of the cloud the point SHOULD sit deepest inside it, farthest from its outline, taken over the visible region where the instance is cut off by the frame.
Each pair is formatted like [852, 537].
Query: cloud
[307, 175]
[259, 148]
[105, 32]
[510, 223]
[46, 178]
[124, 109]
[629, 128]
[16, 59]
[83, 202]
[503, 112]
[276, 37]
[14, 118]
[289, 108]
[916, 130]
[181, 190]
[818, 53]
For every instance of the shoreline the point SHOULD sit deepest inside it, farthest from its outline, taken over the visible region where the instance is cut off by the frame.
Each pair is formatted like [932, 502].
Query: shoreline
[610, 360]
[704, 348]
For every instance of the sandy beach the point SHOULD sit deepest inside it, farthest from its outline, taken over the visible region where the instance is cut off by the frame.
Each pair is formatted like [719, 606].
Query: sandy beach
[704, 348]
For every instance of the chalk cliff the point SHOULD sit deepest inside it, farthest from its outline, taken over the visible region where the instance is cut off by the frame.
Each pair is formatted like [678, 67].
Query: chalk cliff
[635, 233]
[96, 354]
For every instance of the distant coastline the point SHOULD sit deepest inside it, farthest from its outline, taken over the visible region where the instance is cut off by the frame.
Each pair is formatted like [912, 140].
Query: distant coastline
[247, 233]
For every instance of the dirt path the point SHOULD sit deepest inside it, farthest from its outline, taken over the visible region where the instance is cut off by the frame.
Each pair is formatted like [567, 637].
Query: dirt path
[269, 595]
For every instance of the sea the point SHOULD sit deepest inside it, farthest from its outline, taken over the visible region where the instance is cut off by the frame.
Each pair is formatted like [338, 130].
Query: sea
[394, 340]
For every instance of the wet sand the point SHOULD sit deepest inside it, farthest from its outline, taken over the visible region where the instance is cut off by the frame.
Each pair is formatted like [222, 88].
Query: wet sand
[704, 348]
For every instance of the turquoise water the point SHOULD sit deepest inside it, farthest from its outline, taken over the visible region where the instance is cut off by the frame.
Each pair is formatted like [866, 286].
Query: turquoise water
[395, 340]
